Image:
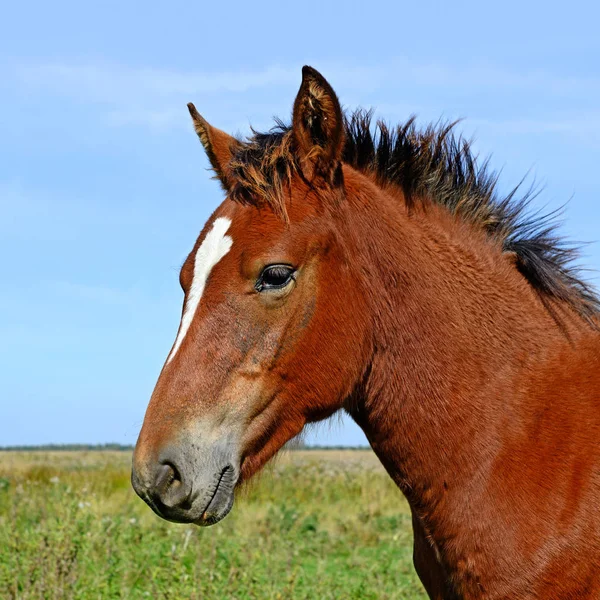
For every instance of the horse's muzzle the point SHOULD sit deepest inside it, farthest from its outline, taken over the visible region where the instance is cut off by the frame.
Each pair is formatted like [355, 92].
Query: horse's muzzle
[185, 486]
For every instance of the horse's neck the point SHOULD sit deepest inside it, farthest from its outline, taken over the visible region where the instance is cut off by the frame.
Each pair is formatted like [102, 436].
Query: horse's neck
[455, 331]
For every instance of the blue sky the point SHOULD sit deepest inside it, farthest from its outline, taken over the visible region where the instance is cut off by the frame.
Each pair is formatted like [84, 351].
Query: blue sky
[104, 188]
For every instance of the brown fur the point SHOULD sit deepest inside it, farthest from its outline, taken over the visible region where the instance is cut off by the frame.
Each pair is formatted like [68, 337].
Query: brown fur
[415, 316]
[427, 166]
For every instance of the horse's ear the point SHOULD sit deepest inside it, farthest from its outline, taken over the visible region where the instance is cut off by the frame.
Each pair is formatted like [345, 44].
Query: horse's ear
[318, 127]
[219, 146]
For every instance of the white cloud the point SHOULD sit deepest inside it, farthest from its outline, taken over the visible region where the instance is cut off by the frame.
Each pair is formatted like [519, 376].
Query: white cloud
[117, 82]
[584, 126]
[111, 82]
[155, 98]
[157, 120]
[94, 293]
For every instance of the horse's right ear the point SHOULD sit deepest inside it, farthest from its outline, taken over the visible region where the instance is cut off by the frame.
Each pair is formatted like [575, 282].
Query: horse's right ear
[219, 146]
[318, 127]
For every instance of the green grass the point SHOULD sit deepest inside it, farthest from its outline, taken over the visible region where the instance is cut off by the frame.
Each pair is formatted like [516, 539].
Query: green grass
[326, 524]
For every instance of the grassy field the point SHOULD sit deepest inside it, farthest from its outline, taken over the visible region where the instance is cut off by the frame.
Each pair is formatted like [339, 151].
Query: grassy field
[317, 524]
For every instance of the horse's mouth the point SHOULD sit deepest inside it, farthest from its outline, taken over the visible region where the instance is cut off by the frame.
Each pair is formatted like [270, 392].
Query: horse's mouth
[221, 501]
[204, 501]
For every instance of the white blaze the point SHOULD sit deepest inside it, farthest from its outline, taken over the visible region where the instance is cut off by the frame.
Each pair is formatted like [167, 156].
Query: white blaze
[213, 248]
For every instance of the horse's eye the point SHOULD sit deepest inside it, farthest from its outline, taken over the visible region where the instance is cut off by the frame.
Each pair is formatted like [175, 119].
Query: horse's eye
[275, 277]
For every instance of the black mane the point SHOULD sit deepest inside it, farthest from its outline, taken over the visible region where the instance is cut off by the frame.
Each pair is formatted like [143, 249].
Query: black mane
[438, 166]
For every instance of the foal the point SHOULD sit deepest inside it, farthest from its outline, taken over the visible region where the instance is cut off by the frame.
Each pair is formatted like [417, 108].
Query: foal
[377, 271]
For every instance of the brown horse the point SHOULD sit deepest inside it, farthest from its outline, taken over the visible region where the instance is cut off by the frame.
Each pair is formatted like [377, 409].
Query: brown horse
[378, 271]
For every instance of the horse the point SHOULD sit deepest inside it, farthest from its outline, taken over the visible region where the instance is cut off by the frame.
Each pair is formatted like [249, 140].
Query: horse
[378, 270]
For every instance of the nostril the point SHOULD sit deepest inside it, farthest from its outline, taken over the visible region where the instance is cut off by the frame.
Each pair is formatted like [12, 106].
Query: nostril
[165, 476]
[169, 486]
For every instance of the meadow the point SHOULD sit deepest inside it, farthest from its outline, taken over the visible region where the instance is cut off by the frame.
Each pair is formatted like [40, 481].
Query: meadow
[315, 525]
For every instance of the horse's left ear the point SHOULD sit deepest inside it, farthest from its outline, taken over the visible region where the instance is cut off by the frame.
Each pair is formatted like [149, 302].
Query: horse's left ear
[318, 127]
